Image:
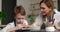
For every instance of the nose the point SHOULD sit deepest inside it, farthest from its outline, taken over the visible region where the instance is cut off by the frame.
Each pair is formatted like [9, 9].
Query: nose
[21, 21]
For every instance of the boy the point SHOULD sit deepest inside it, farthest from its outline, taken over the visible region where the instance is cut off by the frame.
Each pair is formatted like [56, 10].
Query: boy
[19, 23]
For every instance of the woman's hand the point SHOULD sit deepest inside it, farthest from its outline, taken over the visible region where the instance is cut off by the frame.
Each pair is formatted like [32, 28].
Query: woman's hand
[51, 24]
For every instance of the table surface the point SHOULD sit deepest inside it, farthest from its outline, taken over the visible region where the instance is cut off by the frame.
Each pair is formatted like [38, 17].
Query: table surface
[39, 30]
[2, 25]
[33, 30]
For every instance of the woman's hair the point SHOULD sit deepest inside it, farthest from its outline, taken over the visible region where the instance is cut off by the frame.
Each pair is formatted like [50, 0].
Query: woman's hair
[19, 9]
[49, 3]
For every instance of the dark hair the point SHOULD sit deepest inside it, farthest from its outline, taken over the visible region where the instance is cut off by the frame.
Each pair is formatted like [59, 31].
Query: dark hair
[49, 3]
[19, 9]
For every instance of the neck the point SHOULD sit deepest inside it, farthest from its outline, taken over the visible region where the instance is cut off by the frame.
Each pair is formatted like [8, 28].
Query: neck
[49, 14]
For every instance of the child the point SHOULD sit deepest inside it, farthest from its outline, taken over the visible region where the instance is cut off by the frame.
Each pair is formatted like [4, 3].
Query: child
[19, 23]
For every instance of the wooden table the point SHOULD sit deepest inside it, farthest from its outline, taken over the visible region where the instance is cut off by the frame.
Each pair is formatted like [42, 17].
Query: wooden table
[2, 26]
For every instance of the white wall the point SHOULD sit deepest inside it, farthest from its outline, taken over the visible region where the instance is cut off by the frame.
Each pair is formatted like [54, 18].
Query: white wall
[0, 8]
[0, 5]
[25, 4]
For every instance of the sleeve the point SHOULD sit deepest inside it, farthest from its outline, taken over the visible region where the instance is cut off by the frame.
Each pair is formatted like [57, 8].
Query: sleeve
[7, 27]
[38, 21]
[57, 18]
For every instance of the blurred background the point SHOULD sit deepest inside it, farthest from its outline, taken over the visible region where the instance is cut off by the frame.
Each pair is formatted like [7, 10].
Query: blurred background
[31, 7]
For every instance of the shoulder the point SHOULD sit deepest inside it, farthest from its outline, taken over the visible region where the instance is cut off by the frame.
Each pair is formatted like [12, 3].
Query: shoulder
[57, 19]
[57, 15]
[11, 24]
[26, 22]
[38, 18]
[8, 26]
[56, 11]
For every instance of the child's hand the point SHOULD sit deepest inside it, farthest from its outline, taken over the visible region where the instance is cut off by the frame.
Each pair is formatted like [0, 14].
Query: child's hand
[22, 26]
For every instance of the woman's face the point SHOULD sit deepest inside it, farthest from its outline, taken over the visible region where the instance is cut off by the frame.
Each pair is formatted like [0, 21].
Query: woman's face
[19, 18]
[44, 9]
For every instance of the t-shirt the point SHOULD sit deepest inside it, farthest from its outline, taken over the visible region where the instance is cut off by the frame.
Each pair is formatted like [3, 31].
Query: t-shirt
[38, 20]
[11, 25]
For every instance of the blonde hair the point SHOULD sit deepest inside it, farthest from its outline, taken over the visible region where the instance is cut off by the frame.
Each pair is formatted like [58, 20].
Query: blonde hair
[49, 3]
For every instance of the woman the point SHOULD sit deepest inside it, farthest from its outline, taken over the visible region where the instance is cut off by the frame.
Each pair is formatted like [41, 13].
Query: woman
[47, 14]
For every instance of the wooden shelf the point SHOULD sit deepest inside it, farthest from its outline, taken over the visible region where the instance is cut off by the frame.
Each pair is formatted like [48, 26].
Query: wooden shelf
[35, 15]
[2, 25]
[54, 0]
[34, 3]
[35, 9]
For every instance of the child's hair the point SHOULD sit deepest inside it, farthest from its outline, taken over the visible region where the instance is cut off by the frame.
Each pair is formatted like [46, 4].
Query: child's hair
[19, 9]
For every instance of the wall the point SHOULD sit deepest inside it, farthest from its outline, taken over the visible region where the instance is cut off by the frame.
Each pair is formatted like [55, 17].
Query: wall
[0, 5]
[25, 4]
[0, 8]
[7, 8]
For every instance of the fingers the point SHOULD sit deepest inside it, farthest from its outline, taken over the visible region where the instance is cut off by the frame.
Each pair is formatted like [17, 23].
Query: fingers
[23, 26]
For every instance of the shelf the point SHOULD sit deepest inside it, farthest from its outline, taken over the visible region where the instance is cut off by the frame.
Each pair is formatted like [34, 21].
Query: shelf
[54, 0]
[35, 15]
[38, 3]
[2, 25]
[34, 3]
[35, 9]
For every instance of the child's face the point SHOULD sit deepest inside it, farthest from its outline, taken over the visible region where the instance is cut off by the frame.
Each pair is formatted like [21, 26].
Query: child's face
[19, 18]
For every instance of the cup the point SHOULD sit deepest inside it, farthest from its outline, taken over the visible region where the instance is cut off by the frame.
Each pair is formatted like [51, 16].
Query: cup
[50, 29]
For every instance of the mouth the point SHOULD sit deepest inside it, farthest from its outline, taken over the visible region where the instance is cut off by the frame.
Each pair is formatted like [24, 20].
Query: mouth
[43, 13]
[19, 22]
